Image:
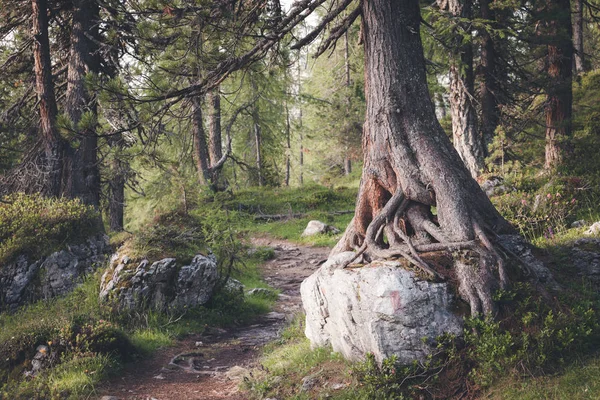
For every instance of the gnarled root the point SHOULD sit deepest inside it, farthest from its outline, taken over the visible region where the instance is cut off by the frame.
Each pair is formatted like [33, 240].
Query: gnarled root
[410, 230]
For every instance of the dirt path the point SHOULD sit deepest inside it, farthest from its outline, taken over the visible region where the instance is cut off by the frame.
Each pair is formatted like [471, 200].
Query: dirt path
[210, 366]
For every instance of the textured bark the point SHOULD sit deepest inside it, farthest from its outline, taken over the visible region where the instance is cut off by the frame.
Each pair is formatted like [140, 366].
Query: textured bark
[215, 138]
[288, 150]
[579, 55]
[410, 164]
[489, 88]
[200, 152]
[53, 144]
[559, 95]
[84, 179]
[465, 133]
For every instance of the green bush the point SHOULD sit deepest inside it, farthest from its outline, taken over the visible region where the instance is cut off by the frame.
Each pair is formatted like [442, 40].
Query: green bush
[37, 226]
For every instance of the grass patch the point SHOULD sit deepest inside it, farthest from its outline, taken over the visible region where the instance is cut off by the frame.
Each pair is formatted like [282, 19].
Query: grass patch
[36, 226]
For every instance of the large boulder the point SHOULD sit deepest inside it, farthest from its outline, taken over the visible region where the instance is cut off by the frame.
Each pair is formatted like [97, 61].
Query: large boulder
[380, 308]
[162, 285]
[23, 281]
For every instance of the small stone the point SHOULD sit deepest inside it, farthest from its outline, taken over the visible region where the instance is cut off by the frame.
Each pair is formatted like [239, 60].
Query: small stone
[159, 377]
[308, 382]
[338, 386]
[315, 227]
[198, 344]
[593, 230]
[578, 224]
[109, 398]
[262, 292]
[237, 373]
[275, 315]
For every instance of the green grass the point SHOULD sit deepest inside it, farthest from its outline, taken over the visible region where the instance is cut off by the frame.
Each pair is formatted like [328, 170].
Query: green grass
[580, 380]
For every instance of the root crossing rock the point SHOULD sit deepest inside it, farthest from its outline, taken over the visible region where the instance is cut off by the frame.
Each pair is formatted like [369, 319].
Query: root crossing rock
[380, 308]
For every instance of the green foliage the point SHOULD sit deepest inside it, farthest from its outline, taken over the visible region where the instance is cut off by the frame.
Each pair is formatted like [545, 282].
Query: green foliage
[36, 226]
[535, 338]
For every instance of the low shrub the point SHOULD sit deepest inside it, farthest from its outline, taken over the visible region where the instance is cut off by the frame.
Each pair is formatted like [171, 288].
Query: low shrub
[36, 226]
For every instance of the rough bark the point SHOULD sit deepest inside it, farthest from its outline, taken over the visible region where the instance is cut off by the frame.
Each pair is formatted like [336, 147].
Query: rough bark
[488, 88]
[215, 139]
[200, 151]
[559, 96]
[53, 144]
[465, 132]
[410, 165]
[84, 179]
[579, 54]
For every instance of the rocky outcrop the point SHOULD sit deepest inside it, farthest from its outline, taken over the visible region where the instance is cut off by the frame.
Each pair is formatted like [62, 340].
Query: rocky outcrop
[162, 285]
[23, 281]
[315, 227]
[380, 308]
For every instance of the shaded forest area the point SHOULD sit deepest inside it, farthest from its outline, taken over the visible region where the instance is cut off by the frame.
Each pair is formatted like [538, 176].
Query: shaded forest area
[183, 127]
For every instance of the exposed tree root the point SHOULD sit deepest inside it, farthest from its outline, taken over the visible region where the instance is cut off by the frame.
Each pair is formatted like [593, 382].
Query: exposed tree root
[410, 230]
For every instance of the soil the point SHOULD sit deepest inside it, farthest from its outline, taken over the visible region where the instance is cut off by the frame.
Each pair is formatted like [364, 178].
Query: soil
[211, 365]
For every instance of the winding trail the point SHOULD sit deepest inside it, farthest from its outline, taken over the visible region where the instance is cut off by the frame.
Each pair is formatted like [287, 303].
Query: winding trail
[210, 366]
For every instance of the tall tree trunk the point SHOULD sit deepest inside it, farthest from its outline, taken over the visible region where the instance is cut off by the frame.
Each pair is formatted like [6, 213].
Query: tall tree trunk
[465, 133]
[489, 88]
[258, 146]
[410, 165]
[116, 201]
[347, 160]
[288, 150]
[53, 144]
[301, 158]
[579, 54]
[215, 139]
[559, 94]
[200, 151]
[84, 181]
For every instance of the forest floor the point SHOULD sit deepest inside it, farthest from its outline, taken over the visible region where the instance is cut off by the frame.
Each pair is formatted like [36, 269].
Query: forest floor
[211, 365]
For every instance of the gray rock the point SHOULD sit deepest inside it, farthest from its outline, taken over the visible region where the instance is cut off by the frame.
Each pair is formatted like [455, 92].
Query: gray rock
[381, 309]
[109, 398]
[308, 382]
[578, 224]
[161, 285]
[234, 286]
[522, 249]
[586, 258]
[493, 186]
[317, 227]
[24, 282]
[593, 230]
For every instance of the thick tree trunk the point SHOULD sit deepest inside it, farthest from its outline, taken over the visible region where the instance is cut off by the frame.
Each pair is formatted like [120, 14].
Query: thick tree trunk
[559, 95]
[489, 88]
[200, 152]
[465, 133]
[53, 144]
[84, 181]
[579, 54]
[410, 165]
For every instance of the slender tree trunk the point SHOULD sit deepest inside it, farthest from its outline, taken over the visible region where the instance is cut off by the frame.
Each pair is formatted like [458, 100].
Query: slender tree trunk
[579, 54]
[347, 166]
[288, 150]
[200, 152]
[301, 158]
[116, 201]
[488, 88]
[559, 95]
[465, 132]
[53, 144]
[258, 146]
[215, 139]
[410, 164]
[84, 181]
